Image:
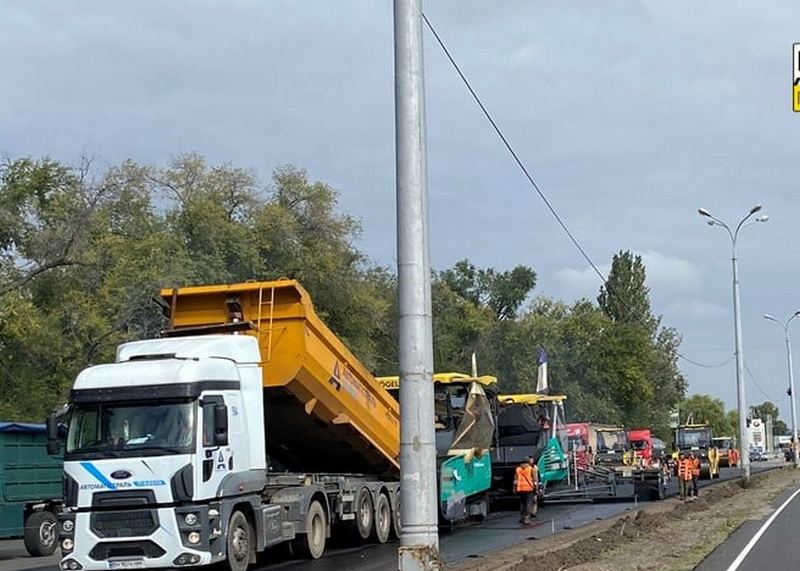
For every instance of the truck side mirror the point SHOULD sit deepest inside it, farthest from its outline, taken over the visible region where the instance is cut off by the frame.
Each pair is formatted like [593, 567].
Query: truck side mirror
[53, 443]
[220, 425]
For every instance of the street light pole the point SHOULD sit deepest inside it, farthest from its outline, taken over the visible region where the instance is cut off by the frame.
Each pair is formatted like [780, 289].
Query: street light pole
[785, 326]
[737, 325]
[419, 539]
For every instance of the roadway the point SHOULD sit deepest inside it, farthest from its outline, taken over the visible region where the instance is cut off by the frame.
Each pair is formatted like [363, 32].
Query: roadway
[769, 542]
[500, 530]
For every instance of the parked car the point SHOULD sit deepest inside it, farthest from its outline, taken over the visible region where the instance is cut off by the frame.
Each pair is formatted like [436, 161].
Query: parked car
[757, 455]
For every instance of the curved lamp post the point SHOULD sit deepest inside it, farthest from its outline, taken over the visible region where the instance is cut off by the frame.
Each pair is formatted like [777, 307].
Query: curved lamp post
[737, 323]
[785, 326]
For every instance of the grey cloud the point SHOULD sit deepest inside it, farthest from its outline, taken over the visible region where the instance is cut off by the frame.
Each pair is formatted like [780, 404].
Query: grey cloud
[630, 115]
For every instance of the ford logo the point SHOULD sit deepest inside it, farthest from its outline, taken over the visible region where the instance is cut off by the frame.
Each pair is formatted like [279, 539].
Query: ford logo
[120, 474]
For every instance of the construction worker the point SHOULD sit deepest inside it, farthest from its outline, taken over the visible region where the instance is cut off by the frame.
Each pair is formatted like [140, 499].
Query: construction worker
[525, 487]
[733, 458]
[684, 475]
[535, 503]
[695, 472]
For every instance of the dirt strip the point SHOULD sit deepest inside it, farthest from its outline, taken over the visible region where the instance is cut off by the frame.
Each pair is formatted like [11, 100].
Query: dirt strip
[669, 535]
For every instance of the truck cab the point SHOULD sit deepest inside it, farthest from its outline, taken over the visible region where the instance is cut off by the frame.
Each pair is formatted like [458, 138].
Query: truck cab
[641, 441]
[613, 448]
[158, 454]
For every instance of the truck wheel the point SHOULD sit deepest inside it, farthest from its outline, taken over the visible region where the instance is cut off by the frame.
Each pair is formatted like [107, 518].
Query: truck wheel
[396, 516]
[41, 536]
[311, 545]
[240, 542]
[365, 514]
[705, 470]
[383, 519]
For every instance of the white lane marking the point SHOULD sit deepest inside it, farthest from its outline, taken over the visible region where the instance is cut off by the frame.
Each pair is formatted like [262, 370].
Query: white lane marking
[752, 543]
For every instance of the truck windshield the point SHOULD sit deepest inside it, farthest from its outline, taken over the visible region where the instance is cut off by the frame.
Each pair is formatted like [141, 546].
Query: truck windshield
[639, 444]
[127, 429]
[694, 437]
[575, 443]
[612, 440]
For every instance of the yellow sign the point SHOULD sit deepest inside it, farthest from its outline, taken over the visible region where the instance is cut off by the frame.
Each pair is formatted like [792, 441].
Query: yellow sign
[796, 77]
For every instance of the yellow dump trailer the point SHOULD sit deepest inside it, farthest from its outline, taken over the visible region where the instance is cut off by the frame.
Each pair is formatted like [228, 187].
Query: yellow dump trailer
[325, 412]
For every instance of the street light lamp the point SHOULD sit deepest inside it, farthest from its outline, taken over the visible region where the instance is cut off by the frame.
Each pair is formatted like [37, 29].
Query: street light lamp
[737, 324]
[785, 326]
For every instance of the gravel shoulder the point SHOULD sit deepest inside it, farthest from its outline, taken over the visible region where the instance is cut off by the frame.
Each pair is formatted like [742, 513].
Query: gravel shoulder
[669, 535]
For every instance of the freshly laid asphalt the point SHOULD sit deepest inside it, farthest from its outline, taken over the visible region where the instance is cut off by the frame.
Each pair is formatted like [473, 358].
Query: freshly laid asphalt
[500, 530]
[777, 548]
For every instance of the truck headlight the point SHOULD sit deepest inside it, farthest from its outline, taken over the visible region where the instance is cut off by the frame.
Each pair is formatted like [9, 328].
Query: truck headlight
[68, 526]
[190, 519]
[193, 537]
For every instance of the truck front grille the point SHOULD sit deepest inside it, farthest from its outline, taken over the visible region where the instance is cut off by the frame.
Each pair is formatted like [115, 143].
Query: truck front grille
[129, 523]
[124, 514]
[108, 550]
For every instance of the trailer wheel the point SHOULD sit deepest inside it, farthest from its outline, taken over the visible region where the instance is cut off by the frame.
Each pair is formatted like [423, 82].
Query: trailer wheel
[365, 514]
[383, 519]
[41, 534]
[311, 544]
[396, 516]
[240, 542]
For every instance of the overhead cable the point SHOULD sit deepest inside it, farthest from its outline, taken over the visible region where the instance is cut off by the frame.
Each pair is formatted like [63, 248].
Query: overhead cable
[705, 365]
[527, 173]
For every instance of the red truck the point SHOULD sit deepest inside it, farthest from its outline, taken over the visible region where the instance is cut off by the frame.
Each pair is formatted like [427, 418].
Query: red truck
[642, 443]
[602, 465]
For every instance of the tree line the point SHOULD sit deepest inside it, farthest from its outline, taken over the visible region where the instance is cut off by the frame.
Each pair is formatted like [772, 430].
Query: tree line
[705, 408]
[84, 251]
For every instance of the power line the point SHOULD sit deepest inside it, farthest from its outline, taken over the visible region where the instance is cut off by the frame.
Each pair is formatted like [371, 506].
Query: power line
[758, 386]
[525, 171]
[704, 365]
[511, 151]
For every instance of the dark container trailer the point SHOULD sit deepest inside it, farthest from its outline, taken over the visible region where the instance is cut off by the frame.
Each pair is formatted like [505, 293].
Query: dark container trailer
[30, 487]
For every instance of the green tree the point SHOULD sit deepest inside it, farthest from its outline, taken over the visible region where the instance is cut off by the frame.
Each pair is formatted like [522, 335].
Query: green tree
[779, 428]
[502, 292]
[82, 254]
[705, 408]
[764, 411]
[625, 297]
[473, 308]
[733, 422]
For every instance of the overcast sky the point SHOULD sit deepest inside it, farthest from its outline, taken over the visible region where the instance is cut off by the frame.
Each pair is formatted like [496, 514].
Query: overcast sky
[631, 115]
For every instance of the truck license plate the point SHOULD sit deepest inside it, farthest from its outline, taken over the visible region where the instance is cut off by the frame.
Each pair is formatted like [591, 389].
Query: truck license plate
[126, 564]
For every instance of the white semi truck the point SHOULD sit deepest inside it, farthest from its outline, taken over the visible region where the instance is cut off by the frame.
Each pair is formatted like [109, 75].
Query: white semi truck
[247, 425]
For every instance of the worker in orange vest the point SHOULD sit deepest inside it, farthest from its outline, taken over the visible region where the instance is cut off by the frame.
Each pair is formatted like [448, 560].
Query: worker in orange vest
[695, 473]
[525, 480]
[684, 475]
[733, 458]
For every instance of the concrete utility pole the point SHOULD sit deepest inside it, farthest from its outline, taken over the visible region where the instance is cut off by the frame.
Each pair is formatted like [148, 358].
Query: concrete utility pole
[785, 326]
[419, 541]
[744, 447]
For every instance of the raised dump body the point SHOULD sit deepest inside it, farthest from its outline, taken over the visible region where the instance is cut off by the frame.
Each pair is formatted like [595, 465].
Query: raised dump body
[324, 412]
